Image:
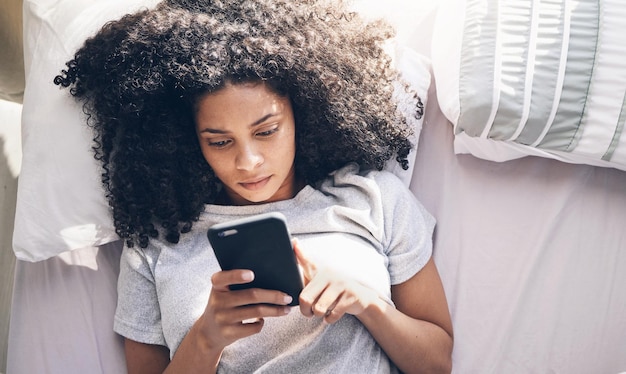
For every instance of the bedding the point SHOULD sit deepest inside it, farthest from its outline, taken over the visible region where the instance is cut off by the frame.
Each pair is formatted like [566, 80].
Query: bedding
[543, 78]
[531, 251]
[55, 212]
[532, 254]
[11, 55]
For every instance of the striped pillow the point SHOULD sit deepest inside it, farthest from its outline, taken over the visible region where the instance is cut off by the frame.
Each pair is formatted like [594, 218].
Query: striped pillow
[534, 77]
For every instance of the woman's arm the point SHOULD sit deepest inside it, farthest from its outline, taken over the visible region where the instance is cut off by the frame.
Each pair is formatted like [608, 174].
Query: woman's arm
[145, 358]
[417, 334]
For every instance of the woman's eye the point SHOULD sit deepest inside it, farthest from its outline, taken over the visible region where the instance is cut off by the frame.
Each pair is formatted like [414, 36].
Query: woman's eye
[219, 143]
[267, 132]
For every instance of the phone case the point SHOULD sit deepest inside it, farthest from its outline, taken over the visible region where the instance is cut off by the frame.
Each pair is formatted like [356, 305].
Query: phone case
[262, 244]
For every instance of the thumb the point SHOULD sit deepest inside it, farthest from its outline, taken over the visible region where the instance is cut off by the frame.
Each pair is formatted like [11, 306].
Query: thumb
[308, 267]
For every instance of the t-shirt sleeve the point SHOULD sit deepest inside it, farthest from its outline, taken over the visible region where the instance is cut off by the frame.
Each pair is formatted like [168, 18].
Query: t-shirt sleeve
[408, 230]
[138, 315]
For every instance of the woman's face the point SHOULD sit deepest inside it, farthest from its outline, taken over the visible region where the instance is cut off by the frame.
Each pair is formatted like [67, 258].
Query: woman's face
[247, 135]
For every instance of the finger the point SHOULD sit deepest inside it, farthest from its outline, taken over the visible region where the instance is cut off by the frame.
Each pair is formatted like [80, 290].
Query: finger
[327, 301]
[228, 300]
[222, 279]
[310, 295]
[249, 320]
[244, 314]
[236, 331]
[332, 316]
[308, 267]
[306, 308]
[259, 312]
[336, 311]
[253, 296]
[331, 309]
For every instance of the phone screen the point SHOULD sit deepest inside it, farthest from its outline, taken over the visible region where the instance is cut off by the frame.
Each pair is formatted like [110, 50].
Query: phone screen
[262, 244]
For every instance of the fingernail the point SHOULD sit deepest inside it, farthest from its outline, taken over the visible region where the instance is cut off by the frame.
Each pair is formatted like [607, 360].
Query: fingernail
[287, 299]
[248, 275]
[287, 310]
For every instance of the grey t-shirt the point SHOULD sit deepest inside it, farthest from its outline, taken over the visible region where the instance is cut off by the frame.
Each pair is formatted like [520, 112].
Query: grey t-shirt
[367, 224]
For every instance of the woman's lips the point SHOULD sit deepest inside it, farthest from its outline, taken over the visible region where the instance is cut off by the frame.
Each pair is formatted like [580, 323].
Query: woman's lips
[256, 184]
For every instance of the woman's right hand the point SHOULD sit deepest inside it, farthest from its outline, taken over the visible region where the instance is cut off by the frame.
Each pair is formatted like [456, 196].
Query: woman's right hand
[229, 316]
[232, 315]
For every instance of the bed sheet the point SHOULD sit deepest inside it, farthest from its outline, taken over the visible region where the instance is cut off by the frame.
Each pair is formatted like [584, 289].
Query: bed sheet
[62, 314]
[532, 253]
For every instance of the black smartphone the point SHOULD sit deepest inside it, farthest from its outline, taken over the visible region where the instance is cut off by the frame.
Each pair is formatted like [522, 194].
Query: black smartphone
[262, 244]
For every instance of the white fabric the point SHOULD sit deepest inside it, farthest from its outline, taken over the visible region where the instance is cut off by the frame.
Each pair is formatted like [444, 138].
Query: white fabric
[542, 78]
[62, 314]
[54, 213]
[11, 55]
[532, 254]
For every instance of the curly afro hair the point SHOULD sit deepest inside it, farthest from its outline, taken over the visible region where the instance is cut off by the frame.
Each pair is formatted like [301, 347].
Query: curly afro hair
[140, 78]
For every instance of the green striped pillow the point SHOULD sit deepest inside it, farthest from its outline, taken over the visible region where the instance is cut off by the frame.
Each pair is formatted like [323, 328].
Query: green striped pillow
[534, 77]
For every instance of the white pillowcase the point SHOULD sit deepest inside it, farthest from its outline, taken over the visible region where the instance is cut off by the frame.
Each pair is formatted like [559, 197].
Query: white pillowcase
[534, 77]
[61, 204]
[11, 56]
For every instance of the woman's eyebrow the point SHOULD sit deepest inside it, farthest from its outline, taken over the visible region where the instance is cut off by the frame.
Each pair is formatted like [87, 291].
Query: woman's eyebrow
[255, 123]
[264, 118]
[212, 131]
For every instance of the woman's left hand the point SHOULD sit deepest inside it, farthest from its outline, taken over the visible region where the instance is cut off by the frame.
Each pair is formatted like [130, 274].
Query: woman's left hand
[330, 294]
[415, 332]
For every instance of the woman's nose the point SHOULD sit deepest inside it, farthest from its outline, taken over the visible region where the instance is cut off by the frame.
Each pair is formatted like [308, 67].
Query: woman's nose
[248, 158]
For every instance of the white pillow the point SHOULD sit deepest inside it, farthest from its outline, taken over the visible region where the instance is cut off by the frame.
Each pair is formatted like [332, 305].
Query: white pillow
[60, 203]
[409, 49]
[11, 55]
[415, 70]
[543, 78]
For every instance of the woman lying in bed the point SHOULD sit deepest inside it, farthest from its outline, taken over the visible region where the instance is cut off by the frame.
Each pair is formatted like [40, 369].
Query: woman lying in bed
[208, 111]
